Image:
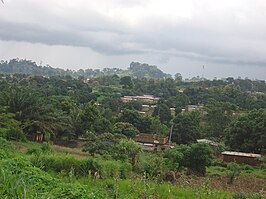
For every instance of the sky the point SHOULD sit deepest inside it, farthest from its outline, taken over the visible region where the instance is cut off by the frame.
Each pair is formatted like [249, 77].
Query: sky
[227, 37]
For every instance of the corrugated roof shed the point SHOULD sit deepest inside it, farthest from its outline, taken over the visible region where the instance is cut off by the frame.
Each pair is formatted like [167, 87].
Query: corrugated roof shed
[253, 155]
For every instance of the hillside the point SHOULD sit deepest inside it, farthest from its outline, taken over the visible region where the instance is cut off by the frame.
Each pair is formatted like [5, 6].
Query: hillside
[139, 70]
[28, 67]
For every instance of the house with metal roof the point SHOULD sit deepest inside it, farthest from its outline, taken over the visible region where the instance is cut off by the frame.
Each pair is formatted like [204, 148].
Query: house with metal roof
[150, 142]
[241, 158]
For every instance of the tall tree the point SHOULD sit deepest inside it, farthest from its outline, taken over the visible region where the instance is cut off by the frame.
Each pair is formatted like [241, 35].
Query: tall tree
[163, 112]
[247, 133]
[126, 82]
[218, 116]
[143, 124]
[186, 128]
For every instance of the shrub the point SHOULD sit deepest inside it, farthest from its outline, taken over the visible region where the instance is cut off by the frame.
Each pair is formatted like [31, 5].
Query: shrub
[219, 162]
[197, 157]
[200, 156]
[173, 159]
[46, 148]
[12, 134]
[153, 166]
[125, 170]
[239, 196]
[233, 171]
[115, 169]
[34, 151]
[247, 168]
[89, 166]
[6, 149]
[55, 163]
[110, 169]
[4, 154]
[6, 145]
[263, 163]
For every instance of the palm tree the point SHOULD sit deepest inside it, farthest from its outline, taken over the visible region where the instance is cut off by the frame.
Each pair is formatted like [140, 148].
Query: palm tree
[35, 113]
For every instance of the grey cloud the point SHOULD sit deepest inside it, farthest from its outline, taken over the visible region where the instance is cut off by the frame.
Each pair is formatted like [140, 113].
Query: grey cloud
[219, 40]
[99, 40]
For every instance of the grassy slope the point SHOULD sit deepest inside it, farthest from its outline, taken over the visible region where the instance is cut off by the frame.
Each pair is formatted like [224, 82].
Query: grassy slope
[189, 187]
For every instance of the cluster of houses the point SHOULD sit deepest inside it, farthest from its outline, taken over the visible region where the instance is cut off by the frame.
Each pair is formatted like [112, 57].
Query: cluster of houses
[150, 101]
[143, 98]
[150, 142]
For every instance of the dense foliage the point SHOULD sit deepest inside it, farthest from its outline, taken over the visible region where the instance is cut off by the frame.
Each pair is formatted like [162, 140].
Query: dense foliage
[69, 107]
[44, 104]
[17, 66]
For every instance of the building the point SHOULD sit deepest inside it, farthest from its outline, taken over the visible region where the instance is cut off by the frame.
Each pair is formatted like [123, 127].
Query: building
[145, 108]
[241, 158]
[150, 142]
[172, 111]
[191, 108]
[143, 98]
[210, 142]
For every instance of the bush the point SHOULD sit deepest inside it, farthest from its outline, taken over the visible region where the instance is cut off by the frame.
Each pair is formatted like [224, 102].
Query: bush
[233, 171]
[153, 166]
[6, 145]
[110, 169]
[200, 156]
[56, 163]
[89, 166]
[45, 148]
[12, 134]
[239, 196]
[6, 149]
[4, 154]
[34, 151]
[173, 159]
[263, 163]
[247, 168]
[114, 169]
[219, 162]
[125, 170]
[197, 157]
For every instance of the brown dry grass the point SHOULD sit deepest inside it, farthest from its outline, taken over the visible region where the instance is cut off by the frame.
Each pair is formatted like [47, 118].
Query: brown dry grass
[242, 184]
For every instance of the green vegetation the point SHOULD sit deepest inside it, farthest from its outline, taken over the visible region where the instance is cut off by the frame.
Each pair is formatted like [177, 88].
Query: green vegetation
[233, 172]
[56, 175]
[90, 115]
[25, 177]
[16, 66]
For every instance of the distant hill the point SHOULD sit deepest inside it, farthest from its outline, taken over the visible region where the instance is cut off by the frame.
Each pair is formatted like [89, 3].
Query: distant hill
[139, 70]
[28, 67]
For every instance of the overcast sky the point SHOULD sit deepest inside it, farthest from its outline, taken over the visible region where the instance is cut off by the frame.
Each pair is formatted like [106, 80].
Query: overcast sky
[228, 37]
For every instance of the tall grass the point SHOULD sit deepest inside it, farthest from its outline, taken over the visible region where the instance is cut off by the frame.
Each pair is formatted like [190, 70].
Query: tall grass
[19, 179]
[31, 177]
[82, 167]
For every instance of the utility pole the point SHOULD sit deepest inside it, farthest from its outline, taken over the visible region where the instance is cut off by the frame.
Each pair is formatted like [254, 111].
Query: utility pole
[203, 71]
[170, 134]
